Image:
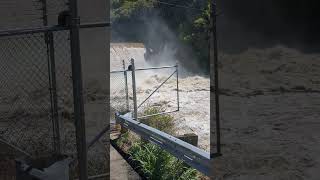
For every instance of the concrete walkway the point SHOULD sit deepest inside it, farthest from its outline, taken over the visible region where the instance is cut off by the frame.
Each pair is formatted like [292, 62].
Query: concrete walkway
[119, 168]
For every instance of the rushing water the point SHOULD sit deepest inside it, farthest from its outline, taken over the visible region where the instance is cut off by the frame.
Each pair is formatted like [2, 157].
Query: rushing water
[194, 101]
[270, 106]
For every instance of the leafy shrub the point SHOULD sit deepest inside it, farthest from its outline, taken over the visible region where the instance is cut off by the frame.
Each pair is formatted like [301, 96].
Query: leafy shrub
[158, 164]
[126, 141]
[163, 122]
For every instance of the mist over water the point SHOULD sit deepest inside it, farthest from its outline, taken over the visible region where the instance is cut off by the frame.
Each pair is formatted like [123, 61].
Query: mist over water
[162, 45]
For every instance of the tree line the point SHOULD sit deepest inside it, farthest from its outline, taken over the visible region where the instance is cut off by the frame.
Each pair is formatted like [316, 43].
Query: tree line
[157, 23]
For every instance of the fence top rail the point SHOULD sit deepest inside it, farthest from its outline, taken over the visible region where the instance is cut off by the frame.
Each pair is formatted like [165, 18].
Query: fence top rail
[144, 69]
[14, 32]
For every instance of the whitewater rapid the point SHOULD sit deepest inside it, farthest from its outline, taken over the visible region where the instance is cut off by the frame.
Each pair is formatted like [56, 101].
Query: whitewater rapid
[194, 95]
[270, 101]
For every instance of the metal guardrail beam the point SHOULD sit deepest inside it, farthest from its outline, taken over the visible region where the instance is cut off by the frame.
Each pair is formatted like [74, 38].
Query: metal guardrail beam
[193, 156]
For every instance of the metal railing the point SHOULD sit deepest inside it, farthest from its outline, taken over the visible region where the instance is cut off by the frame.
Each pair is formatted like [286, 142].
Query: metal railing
[192, 155]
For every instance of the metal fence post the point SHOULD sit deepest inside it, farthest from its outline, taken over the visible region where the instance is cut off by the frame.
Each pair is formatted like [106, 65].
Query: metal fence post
[53, 89]
[214, 60]
[178, 104]
[134, 90]
[52, 81]
[77, 91]
[126, 84]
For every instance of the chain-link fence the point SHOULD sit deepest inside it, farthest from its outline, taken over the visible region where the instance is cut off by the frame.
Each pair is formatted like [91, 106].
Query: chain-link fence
[35, 98]
[170, 32]
[21, 13]
[25, 97]
[138, 90]
[157, 90]
[120, 91]
[38, 78]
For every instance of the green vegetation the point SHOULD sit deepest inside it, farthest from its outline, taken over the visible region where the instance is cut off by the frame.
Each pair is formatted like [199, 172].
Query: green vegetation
[154, 162]
[131, 20]
[159, 164]
[162, 122]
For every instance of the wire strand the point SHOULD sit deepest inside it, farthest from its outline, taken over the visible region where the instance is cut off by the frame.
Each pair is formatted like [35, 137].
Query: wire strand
[178, 6]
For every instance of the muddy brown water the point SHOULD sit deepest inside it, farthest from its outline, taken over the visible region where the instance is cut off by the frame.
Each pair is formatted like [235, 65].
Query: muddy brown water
[269, 113]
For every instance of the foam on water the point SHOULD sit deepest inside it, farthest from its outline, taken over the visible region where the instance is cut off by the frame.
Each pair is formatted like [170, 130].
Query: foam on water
[269, 107]
[194, 91]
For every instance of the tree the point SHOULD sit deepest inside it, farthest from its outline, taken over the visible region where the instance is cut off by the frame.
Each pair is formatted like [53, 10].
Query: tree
[157, 23]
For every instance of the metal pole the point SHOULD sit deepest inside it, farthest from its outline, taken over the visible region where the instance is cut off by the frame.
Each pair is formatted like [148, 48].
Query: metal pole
[98, 136]
[214, 58]
[126, 84]
[44, 12]
[178, 104]
[135, 107]
[52, 81]
[53, 90]
[77, 91]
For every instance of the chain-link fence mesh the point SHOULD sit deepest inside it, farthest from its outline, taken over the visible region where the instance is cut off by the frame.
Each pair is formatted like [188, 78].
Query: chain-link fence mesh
[25, 98]
[25, 93]
[98, 158]
[36, 94]
[157, 90]
[35, 80]
[97, 127]
[20, 13]
[30, 13]
[26, 119]
[120, 98]
[64, 91]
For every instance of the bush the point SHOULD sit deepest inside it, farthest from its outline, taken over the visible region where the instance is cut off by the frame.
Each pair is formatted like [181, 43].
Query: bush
[158, 164]
[126, 141]
[164, 122]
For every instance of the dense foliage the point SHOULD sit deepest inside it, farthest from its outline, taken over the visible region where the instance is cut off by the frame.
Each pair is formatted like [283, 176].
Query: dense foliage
[158, 164]
[159, 23]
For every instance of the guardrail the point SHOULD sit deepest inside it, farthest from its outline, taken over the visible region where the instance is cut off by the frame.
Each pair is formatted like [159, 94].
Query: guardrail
[192, 155]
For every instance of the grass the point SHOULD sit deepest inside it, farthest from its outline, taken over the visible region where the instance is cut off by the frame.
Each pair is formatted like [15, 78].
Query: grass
[164, 122]
[153, 162]
[158, 164]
